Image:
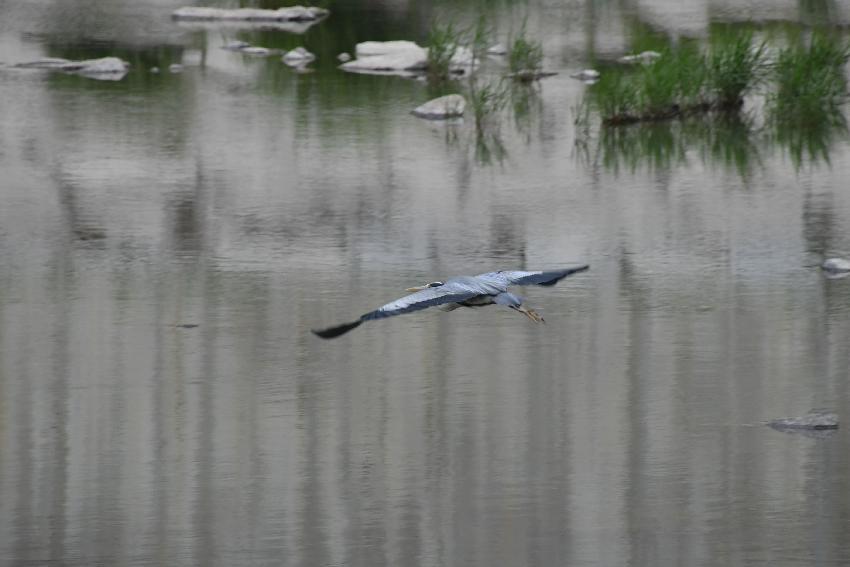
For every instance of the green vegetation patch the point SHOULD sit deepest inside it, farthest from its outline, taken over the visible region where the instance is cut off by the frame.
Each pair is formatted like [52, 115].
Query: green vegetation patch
[805, 81]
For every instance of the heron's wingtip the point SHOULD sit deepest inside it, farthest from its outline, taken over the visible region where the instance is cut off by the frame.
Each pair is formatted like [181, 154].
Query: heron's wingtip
[333, 332]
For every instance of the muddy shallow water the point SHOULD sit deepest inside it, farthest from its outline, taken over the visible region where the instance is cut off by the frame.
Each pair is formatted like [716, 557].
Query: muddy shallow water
[168, 240]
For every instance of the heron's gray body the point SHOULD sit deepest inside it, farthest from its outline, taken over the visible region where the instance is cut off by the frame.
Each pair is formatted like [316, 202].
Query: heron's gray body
[461, 291]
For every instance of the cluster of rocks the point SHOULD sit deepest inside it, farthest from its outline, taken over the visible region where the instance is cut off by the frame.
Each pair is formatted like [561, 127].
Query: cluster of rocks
[590, 76]
[297, 57]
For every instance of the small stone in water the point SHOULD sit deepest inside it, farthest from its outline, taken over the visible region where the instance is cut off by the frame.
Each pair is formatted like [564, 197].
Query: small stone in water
[449, 106]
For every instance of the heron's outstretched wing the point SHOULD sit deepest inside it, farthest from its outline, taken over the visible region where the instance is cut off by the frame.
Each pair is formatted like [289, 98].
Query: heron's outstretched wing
[534, 278]
[447, 293]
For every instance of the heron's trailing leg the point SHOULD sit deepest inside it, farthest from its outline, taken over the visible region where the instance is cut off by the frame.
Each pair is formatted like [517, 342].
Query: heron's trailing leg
[531, 314]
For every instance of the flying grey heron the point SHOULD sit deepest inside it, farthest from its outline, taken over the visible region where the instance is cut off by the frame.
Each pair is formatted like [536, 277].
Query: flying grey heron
[463, 291]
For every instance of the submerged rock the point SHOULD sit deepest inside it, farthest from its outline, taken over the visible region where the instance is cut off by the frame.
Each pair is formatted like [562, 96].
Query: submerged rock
[814, 420]
[45, 63]
[175, 68]
[235, 45]
[531, 75]
[298, 56]
[642, 57]
[586, 75]
[104, 68]
[248, 49]
[291, 14]
[258, 51]
[497, 49]
[442, 108]
[372, 48]
[836, 266]
[388, 57]
[343, 57]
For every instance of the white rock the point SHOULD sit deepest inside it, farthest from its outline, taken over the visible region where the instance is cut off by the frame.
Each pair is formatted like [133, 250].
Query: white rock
[400, 57]
[343, 57]
[154, 70]
[372, 48]
[299, 55]
[258, 51]
[175, 68]
[449, 106]
[292, 14]
[586, 75]
[406, 60]
[497, 49]
[836, 265]
[235, 45]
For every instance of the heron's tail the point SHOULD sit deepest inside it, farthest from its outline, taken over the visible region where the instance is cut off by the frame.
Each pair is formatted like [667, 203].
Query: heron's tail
[333, 332]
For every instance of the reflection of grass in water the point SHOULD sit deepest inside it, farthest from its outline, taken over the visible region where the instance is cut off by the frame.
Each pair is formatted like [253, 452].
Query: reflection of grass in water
[810, 139]
[657, 145]
[526, 104]
[489, 147]
[726, 139]
[486, 100]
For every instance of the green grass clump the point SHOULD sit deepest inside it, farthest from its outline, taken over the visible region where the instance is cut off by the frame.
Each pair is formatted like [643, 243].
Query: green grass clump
[525, 56]
[683, 81]
[672, 83]
[810, 78]
[804, 111]
[615, 96]
[734, 67]
[443, 42]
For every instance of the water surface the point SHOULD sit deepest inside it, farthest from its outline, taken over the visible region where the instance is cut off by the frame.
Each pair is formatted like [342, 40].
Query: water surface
[167, 241]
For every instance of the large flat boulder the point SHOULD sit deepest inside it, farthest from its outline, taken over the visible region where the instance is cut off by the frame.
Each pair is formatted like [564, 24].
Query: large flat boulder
[103, 68]
[373, 48]
[290, 14]
[400, 57]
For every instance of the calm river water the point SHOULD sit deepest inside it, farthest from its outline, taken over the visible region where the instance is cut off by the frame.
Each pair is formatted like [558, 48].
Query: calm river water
[168, 240]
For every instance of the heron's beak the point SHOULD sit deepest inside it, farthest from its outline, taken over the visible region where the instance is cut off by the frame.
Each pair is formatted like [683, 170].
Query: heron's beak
[418, 288]
[531, 314]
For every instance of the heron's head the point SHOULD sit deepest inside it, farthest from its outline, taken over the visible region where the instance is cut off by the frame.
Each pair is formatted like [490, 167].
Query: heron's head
[426, 286]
